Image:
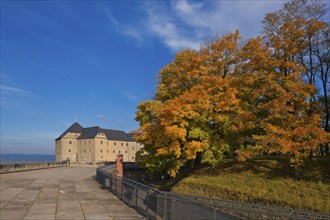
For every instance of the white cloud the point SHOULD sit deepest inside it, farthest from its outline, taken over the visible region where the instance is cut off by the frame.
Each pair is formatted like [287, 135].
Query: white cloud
[186, 24]
[191, 13]
[133, 32]
[166, 29]
[39, 18]
[12, 89]
[110, 16]
[130, 96]
[13, 96]
[101, 117]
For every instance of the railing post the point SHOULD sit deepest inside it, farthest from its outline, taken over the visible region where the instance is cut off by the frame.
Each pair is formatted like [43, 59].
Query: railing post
[147, 204]
[121, 189]
[116, 186]
[136, 196]
[215, 210]
[107, 182]
[165, 206]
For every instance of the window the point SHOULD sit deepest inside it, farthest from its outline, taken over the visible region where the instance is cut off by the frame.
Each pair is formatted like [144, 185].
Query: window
[69, 150]
[90, 150]
[132, 157]
[107, 143]
[70, 142]
[107, 151]
[114, 143]
[101, 150]
[132, 148]
[84, 150]
[101, 142]
[126, 144]
[114, 151]
[84, 141]
[101, 156]
[119, 151]
[89, 141]
[122, 144]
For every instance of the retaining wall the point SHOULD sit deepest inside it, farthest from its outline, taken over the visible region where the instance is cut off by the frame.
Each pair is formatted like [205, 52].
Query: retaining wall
[6, 168]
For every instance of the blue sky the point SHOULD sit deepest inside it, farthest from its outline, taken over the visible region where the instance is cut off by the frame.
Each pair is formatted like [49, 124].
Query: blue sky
[94, 61]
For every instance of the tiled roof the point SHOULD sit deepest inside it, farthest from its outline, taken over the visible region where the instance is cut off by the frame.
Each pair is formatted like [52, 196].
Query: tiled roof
[130, 137]
[74, 128]
[115, 135]
[91, 132]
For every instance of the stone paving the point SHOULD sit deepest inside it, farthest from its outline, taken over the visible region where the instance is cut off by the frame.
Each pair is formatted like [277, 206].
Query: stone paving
[59, 193]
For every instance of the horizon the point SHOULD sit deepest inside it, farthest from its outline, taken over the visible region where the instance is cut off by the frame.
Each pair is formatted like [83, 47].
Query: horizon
[30, 154]
[93, 62]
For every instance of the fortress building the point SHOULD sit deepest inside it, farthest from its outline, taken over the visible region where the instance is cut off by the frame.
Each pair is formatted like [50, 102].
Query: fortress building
[95, 144]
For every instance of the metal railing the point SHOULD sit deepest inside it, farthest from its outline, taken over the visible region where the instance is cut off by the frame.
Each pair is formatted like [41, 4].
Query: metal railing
[155, 204]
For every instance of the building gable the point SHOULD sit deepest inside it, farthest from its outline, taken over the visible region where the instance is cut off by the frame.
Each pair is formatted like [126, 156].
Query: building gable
[74, 128]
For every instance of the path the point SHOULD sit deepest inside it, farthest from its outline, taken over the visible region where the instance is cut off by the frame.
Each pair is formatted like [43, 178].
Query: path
[59, 193]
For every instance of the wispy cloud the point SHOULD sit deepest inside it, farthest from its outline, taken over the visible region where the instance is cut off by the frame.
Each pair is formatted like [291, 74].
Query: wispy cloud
[52, 70]
[186, 24]
[130, 96]
[39, 18]
[12, 89]
[168, 31]
[13, 95]
[37, 136]
[131, 30]
[101, 117]
[110, 16]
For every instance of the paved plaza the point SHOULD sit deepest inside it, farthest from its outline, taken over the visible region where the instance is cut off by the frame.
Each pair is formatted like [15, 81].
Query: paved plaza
[59, 193]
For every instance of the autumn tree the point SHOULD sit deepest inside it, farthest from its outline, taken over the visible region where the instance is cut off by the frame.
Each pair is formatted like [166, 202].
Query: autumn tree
[231, 97]
[299, 35]
[278, 104]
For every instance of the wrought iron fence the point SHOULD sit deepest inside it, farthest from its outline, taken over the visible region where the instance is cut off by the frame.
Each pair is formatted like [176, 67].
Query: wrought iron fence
[155, 204]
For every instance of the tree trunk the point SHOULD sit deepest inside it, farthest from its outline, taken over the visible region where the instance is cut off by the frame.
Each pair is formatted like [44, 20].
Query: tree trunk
[311, 155]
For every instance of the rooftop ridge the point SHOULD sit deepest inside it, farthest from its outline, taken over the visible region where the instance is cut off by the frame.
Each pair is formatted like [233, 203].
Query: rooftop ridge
[91, 132]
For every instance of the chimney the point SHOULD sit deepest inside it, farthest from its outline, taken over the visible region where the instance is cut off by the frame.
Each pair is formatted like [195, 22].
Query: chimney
[119, 164]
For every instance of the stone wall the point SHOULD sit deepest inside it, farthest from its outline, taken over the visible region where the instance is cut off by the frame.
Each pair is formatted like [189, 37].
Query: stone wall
[5, 168]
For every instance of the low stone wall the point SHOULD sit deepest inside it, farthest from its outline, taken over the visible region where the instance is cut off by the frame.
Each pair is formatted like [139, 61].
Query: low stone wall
[5, 168]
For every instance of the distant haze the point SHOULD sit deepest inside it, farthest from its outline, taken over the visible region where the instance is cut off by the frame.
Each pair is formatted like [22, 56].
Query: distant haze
[25, 158]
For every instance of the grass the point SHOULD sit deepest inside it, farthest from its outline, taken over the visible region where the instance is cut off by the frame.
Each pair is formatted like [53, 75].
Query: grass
[265, 181]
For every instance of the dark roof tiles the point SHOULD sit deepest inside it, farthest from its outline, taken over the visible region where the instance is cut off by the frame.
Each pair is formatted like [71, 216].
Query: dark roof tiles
[91, 132]
[115, 135]
[130, 137]
[74, 128]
